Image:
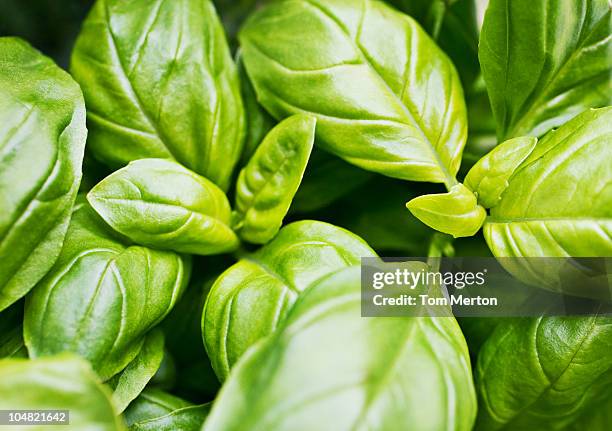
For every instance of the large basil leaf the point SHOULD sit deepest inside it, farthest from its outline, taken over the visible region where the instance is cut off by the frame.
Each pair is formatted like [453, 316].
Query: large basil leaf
[543, 373]
[102, 296]
[268, 182]
[63, 382]
[385, 96]
[128, 384]
[161, 204]
[42, 139]
[156, 410]
[159, 81]
[558, 202]
[251, 298]
[544, 62]
[453, 25]
[327, 368]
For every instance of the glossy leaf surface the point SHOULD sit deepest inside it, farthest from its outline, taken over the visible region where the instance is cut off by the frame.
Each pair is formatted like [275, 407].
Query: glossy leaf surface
[543, 373]
[455, 212]
[250, 299]
[42, 139]
[545, 62]
[559, 200]
[385, 96]
[63, 382]
[325, 359]
[128, 384]
[156, 410]
[161, 204]
[488, 178]
[159, 82]
[102, 296]
[268, 182]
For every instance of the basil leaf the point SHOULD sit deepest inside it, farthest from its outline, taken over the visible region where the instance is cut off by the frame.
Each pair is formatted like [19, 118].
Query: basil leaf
[455, 212]
[267, 184]
[63, 382]
[159, 203]
[102, 296]
[251, 298]
[325, 358]
[558, 202]
[545, 62]
[489, 177]
[453, 25]
[401, 115]
[157, 410]
[132, 380]
[159, 82]
[42, 140]
[543, 373]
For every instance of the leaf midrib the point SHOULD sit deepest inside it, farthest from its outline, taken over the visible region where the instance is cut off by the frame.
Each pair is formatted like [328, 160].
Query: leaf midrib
[450, 180]
[534, 105]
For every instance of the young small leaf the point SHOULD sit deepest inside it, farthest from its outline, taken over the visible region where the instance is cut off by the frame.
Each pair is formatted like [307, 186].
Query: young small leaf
[489, 177]
[456, 212]
[267, 184]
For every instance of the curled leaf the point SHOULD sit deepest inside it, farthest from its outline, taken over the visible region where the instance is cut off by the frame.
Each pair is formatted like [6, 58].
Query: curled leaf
[456, 212]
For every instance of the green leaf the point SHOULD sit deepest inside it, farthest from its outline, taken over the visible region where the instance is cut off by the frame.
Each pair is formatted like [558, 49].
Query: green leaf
[545, 62]
[251, 298]
[267, 184]
[380, 373]
[159, 411]
[42, 139]
[558, 202]
[488, 178]
[543, 373]
[63, 382]
[159, 203]
[132, 380]
[453, 25]
[455, 212]
[386, 98]
[102, 296]
[159, 82]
